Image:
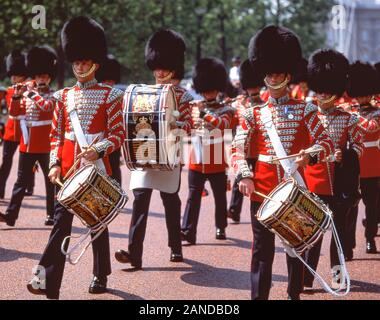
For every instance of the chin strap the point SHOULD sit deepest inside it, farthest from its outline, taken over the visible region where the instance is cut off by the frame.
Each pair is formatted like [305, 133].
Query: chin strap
[322, 102]
[86, 74]
[165, 79]
[279, 86]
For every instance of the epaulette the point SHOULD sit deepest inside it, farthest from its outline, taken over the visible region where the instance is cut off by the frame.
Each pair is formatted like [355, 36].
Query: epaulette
[58, 95]
[114, 94]
[186, 97]
[354, 119]
[309, 108]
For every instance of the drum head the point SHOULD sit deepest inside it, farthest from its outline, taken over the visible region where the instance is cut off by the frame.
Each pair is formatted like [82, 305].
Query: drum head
[281, 193]
[73, 184]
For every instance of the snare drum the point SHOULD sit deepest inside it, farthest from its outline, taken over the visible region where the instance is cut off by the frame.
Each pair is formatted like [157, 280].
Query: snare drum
[148, 112]
[93, 197]
[297, 216]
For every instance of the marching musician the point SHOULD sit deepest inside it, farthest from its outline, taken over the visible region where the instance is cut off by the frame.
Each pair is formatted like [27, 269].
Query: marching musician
[328, 77]
[109, 74]
[32, 102]
[16, 70]
[87, 111]
[165, 57]
[363, 85]
[377, 96]
[301, 90]
[294, 126]
[207, 158]
[251, 82]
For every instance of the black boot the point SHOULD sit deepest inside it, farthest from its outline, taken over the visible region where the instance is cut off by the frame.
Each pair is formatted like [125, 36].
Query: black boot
[98, 285]
[220, 234]
[125, 257]
[371, 246]
[176, 256]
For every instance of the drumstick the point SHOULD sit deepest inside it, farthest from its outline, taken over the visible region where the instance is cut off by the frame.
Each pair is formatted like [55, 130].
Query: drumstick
[296, 155]
[59, 183]
[79, 159]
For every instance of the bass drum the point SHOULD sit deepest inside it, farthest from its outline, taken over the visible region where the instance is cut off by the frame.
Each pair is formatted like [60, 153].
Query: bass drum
[148, 112]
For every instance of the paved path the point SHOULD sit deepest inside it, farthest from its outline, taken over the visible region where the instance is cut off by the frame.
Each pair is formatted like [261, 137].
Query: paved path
[212, 269]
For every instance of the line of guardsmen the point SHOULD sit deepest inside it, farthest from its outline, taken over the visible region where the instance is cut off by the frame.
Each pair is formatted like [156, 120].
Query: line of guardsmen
[324, 100]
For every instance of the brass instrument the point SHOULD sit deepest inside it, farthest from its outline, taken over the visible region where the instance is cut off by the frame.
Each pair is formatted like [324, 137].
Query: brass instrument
[24, 86]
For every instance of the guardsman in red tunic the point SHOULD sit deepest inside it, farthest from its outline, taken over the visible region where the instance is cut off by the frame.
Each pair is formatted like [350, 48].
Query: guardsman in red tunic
[363, 85]
[98, 107]
[207, 157]
[301, 90]
[328, 76]
[252, 82]
[165, 57]
[3, 112]
[276, 51]
[16, 70]
[377, 96]
[109, 74]
[32, 102]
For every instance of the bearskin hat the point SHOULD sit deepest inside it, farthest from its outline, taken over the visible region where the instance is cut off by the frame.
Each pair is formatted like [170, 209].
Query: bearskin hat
[275, 50]
[377, 67]
[328, 72]
[179, 73]
[165, 49]
[83, 38]
[15, 64]
[250, 77]
[40, 60]
[363, 80]
[210, 74]
[109, 70]
[300, 74]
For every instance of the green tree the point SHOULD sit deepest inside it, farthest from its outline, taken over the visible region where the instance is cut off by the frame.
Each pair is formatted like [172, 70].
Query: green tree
[220, 28]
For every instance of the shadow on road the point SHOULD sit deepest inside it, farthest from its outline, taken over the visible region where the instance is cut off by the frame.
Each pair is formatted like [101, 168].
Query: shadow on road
[7, 255]
[235, 242]
[356, 286]
[205, 275]
[75, 230]
[124, 295]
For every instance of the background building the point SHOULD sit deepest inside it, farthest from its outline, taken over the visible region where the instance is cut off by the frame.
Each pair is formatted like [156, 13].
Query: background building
[355, 29]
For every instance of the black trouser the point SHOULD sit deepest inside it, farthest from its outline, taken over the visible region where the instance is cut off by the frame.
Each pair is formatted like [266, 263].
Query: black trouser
[370, 194]
[24, 177]
[9, 149]
[262, 261]
[172, 205]
[114, 159]
[312, 255]
[340, 217]
[53, 260]
[197, 180]
[352, 217]
[237, 197]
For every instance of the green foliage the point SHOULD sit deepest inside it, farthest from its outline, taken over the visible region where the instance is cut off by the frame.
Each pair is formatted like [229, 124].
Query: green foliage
[221, 28]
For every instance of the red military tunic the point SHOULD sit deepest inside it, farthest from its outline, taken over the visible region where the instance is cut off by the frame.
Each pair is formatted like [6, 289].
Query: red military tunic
[298, 127]
[99, 108]
[241, 105]
[298, 94]
[370, 123]
[265, 95]
[35, 112]
[342, 127]
[12, 127]
[183, 99]
[218, 118]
